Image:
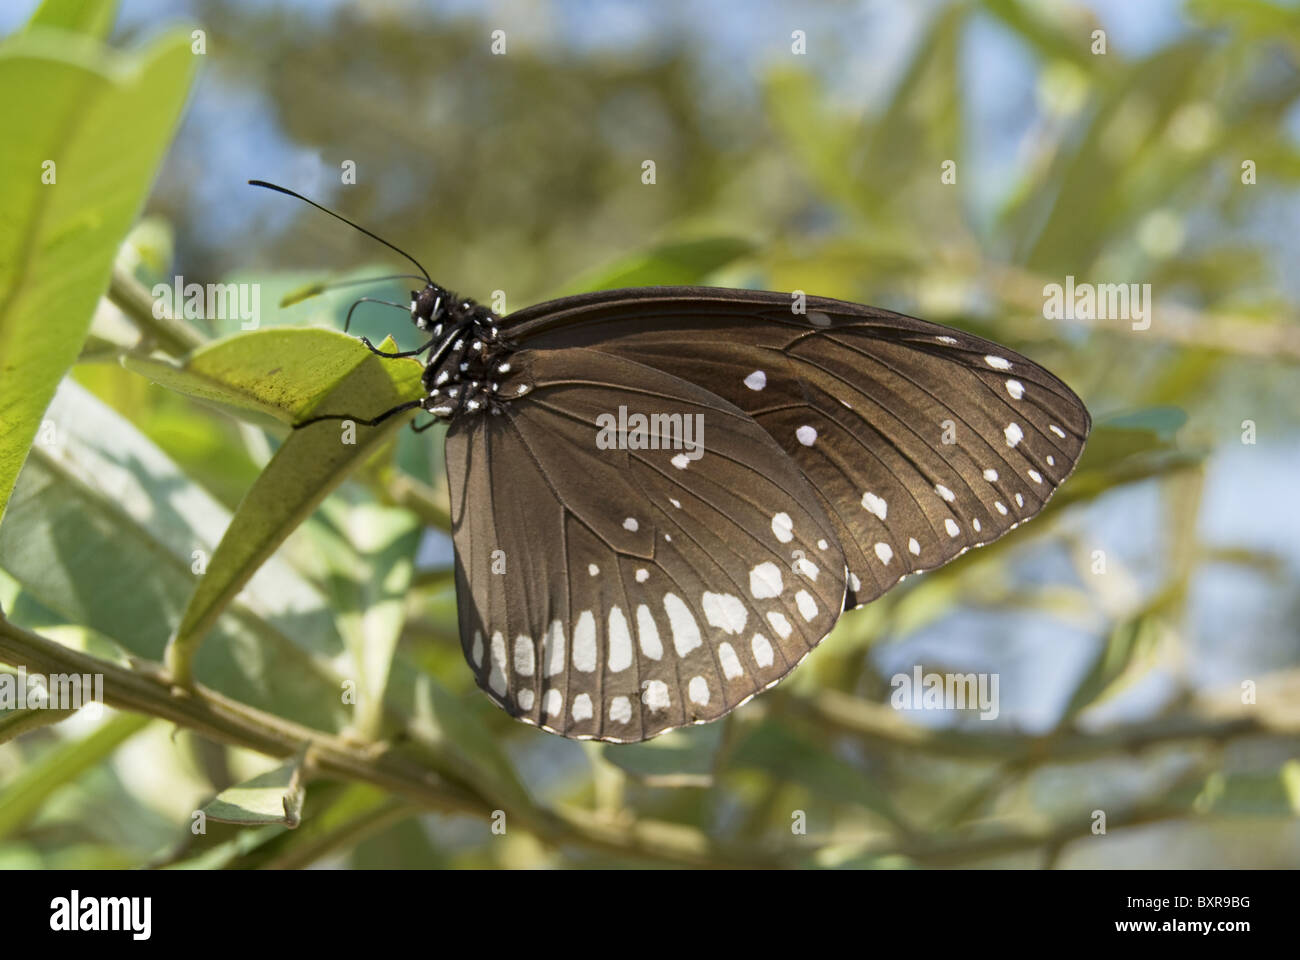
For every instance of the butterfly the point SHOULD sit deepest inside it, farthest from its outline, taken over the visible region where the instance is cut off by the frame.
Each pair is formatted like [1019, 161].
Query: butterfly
[663, 498]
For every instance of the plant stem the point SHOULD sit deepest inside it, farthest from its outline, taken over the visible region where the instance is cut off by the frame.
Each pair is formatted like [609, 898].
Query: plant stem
[166, 332]
[883, 725]
[147, 689]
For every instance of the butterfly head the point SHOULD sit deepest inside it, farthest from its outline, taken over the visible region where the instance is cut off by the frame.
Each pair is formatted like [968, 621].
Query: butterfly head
[429, 306]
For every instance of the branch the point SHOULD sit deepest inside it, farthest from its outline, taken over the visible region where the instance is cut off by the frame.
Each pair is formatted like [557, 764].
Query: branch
[884, 726]
[146, 689]
[1239, 334]
[167, 333]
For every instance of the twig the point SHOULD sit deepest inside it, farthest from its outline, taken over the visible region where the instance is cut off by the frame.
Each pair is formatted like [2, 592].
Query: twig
[885, 726]
[146, 689]
[166, 332]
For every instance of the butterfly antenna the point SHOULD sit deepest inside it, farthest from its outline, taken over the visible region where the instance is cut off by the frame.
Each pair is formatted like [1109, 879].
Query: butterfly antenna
[336, 216]
[316, 289]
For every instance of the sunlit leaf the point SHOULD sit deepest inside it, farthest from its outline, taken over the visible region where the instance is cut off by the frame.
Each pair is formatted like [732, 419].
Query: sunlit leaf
[272, 797]
[103, 120]
[26, 793]
[105, 530]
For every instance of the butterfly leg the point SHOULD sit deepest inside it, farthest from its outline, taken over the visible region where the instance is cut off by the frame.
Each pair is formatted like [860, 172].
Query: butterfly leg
[373, 422]
[405, 353]
[421, 427]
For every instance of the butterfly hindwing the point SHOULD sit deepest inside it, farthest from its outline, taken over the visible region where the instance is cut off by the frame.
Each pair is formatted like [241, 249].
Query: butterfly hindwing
[921, 440]
[612, 590]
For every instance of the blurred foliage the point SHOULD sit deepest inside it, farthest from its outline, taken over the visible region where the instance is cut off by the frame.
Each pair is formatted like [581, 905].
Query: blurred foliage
[172, 501]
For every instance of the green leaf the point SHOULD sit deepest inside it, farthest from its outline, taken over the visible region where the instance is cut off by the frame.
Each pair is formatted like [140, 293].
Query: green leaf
[25, 794]
[451, 736]
[14, 723]
[338, 816]
[1043, 35]
[784, 754]
[687, 754]
[365, 559]
[272, 797]
[309, 464]
[104, 529]
[1253, 794]
[1128, 653]
[277, 375]
[104, 120]
[91, 17]
[681, 263]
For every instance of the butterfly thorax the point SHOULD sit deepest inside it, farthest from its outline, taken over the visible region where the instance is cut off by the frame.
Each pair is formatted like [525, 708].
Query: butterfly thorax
[466, 369]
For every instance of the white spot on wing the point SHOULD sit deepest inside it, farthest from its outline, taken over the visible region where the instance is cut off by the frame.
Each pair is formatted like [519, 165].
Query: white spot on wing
[630, 524]
[1056, 430]
[780, 624]
[783, 527]
[1013, 434]
[762, 650]
[875, 504]
[642, 575]
[725, 611]
[497, 675]
[681, 461]
[885, 552]
[1016, 389]
[655, 695]
[620, 710]
[807, 568]
[525, 698]
[997, 363]
[477, 650]
[553, 648]
[944, 492]
[525, 657]
[731, 668]
[765, 581]
[584, 643]
[620, 641]
[951, 526]
[686, 632]
[648, 634]
[806, 435]
[582, 707]
[807, 605]
[1035, 476]
[756, 380]
[553, 702]
[991, 475]
[913, 547]
[698, 690]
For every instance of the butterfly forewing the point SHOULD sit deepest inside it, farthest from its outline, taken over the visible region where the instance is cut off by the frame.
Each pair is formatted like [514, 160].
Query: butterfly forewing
[920, 440]
[618, 577]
